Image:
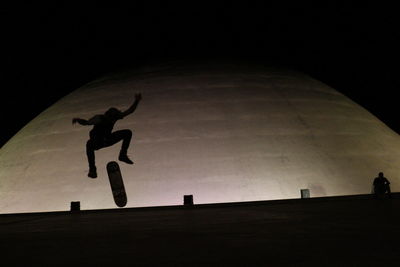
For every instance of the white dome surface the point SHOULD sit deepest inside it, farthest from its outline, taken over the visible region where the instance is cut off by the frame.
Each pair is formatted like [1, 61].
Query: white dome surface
[219, 132]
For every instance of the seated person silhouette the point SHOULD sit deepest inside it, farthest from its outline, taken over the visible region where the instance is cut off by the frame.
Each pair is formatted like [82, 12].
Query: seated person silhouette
[102, 136]
[381, 185]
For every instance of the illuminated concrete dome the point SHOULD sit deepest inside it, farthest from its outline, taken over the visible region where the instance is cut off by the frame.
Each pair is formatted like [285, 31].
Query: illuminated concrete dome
[220, 132]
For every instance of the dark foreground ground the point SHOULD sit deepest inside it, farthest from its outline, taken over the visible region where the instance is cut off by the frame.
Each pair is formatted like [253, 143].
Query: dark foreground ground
[340, 231]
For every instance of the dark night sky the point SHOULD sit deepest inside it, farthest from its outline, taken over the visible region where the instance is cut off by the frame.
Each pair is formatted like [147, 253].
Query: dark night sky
[49, 50]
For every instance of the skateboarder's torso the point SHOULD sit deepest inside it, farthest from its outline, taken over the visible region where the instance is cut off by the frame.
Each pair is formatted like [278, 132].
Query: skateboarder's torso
[103, 128]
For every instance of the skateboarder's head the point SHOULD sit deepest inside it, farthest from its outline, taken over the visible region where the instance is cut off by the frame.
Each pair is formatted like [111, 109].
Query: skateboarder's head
[381, 174]
[113, 113]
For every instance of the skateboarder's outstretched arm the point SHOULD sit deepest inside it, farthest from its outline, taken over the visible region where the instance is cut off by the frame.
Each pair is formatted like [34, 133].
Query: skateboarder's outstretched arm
[91, 121]
[132, 108]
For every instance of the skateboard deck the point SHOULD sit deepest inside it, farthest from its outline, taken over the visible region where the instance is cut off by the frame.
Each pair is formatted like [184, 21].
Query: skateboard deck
[117, 184]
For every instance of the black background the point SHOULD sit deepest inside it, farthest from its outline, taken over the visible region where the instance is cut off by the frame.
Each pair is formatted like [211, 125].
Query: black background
[48, 50]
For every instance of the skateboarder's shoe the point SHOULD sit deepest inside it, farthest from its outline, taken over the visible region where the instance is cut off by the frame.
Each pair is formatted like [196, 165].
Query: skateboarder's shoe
[92, 173]
[124, 158]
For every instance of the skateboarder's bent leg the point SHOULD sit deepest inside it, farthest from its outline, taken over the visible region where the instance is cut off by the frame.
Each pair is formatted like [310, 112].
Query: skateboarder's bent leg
[90, 148]
[125, 136]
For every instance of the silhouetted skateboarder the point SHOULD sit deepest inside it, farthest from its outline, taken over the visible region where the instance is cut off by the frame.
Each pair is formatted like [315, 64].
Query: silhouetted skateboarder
[102, 136]
[381, 185]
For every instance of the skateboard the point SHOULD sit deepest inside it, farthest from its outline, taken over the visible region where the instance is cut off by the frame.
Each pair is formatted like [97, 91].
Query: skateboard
[117, 184]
